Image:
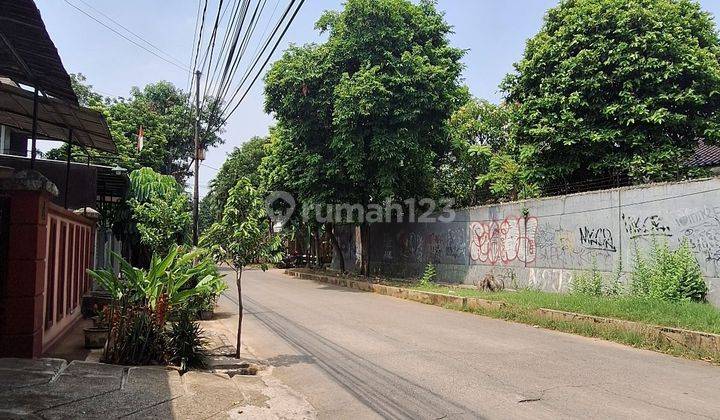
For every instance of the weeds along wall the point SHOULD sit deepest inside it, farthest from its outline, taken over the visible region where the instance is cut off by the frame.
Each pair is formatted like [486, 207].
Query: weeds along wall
[543, 243]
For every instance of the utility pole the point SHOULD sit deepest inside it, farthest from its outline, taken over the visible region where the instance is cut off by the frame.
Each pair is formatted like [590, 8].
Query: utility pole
[196, 201]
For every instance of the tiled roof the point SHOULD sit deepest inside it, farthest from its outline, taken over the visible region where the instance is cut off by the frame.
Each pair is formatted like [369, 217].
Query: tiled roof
[705, 155]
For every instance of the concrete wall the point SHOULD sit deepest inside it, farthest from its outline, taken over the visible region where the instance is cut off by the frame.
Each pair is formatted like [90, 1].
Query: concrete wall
[544, 243]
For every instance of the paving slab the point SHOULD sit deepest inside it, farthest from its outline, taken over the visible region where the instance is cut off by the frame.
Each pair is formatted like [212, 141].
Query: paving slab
[33, 372]
[52, 389]
[141, 388]
[77, 382]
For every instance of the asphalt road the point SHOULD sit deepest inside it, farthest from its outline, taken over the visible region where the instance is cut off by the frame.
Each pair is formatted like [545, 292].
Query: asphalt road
[362, 355]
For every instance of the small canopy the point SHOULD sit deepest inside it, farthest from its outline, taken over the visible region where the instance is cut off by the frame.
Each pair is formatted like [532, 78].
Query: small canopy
[89, 127]
[27, 54]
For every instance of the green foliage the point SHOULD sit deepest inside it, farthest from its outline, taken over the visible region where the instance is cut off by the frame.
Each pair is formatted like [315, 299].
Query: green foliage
[204, 270]
[156, 214]
[510, 174]
[485, 163]
[87, 97]
[428, 275]
[618, 87]
[143, 299]
[145, 183]
[163, 285]
[136, 339]
[365, 111]
[479, 122]
[588, 283]
[243, 235]
[616, 287]
[669, 275]
[686, 314]
[167, 118]
[187, 344]
[242, 162]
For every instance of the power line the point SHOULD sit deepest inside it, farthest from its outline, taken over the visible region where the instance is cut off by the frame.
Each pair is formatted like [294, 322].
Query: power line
[192, 49]
[267, 59]
[197, 49]
[257, 57]
[118, 33]
[252, 25]
[232, 60]
[133, 33]
[210, 167]
[233, 28]
[213, 35]
[236, 52]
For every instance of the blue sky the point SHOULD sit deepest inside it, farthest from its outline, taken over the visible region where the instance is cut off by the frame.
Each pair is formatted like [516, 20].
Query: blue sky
[494, 33]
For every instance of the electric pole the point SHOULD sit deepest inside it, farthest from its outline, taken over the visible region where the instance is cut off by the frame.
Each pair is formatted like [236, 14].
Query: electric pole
[196, 195]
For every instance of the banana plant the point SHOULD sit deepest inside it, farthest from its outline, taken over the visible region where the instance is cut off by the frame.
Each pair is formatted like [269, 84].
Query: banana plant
[165, 279]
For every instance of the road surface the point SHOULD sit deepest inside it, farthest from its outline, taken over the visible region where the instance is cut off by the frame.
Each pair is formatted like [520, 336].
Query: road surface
[363, 355]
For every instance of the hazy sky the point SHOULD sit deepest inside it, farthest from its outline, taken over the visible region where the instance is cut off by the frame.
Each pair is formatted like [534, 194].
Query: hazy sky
[492, 31]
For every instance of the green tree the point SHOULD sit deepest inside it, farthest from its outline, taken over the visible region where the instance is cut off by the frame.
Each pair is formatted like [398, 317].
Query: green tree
[206, 215]
[612, 88]
[154, 217]
[167, 119]
[485, 163]
[510, 173]
[242, 162]
[243, 237]
[366, 110]
[87, 97]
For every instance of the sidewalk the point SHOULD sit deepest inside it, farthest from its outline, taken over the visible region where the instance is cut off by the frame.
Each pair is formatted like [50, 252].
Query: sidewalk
[54, 388]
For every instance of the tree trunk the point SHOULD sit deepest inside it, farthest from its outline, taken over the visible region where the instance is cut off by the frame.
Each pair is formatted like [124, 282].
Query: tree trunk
[316, 240]
[308, 249]
[330, 228]
[238, 281]
[365, 249]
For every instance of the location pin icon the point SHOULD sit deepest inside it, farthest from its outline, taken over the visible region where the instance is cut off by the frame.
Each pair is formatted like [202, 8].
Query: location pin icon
[280, 206]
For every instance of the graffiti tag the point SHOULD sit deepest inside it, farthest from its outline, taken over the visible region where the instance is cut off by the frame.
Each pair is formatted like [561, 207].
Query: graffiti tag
[597, 238]
[503, 241]
[639, 227]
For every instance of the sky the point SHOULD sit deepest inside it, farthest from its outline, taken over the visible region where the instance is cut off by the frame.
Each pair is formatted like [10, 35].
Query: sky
[493, 32]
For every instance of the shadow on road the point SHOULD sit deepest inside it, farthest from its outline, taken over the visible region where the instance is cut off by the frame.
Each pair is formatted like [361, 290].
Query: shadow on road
[383, 391]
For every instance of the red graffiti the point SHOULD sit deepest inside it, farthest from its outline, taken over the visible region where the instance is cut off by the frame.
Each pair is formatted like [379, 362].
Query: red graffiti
[503, 241]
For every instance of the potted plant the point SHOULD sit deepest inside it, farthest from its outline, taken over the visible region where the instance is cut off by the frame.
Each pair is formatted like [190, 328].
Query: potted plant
[96, 335]
[207, 307]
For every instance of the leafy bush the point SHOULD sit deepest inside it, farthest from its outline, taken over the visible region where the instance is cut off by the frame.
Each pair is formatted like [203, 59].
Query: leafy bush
[155, 216]
[610, 87]
[187, 343]
[143, 300]
[588, 283]
[136, 338]
[670, 275]
[199, 264]
[616, 286]
[429, 275]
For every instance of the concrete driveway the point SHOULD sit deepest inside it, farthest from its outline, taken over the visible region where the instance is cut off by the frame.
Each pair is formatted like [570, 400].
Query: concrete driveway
[362, 355]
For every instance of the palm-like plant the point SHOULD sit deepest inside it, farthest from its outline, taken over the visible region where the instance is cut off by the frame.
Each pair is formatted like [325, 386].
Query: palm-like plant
[142, 299]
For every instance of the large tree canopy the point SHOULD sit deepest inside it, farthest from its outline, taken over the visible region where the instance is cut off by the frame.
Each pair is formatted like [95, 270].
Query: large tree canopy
[370, 104]
[618, 87]
[167, 119]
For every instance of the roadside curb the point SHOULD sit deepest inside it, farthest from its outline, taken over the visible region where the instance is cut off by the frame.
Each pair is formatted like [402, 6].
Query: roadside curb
[691, 340]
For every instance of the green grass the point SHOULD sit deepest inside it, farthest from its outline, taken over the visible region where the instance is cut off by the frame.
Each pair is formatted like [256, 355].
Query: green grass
[608, 332]
[522, 306]
[687, 315]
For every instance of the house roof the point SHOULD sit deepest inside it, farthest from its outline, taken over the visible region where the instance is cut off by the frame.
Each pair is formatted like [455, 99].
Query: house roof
[28, 55]
[705, 155]
[55, 118]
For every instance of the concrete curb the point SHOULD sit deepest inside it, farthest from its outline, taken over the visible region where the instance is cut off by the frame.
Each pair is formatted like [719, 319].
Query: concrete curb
[692, 340]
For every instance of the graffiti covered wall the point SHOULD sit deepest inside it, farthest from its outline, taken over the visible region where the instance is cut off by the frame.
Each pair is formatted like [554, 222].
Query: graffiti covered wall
[544, 243]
